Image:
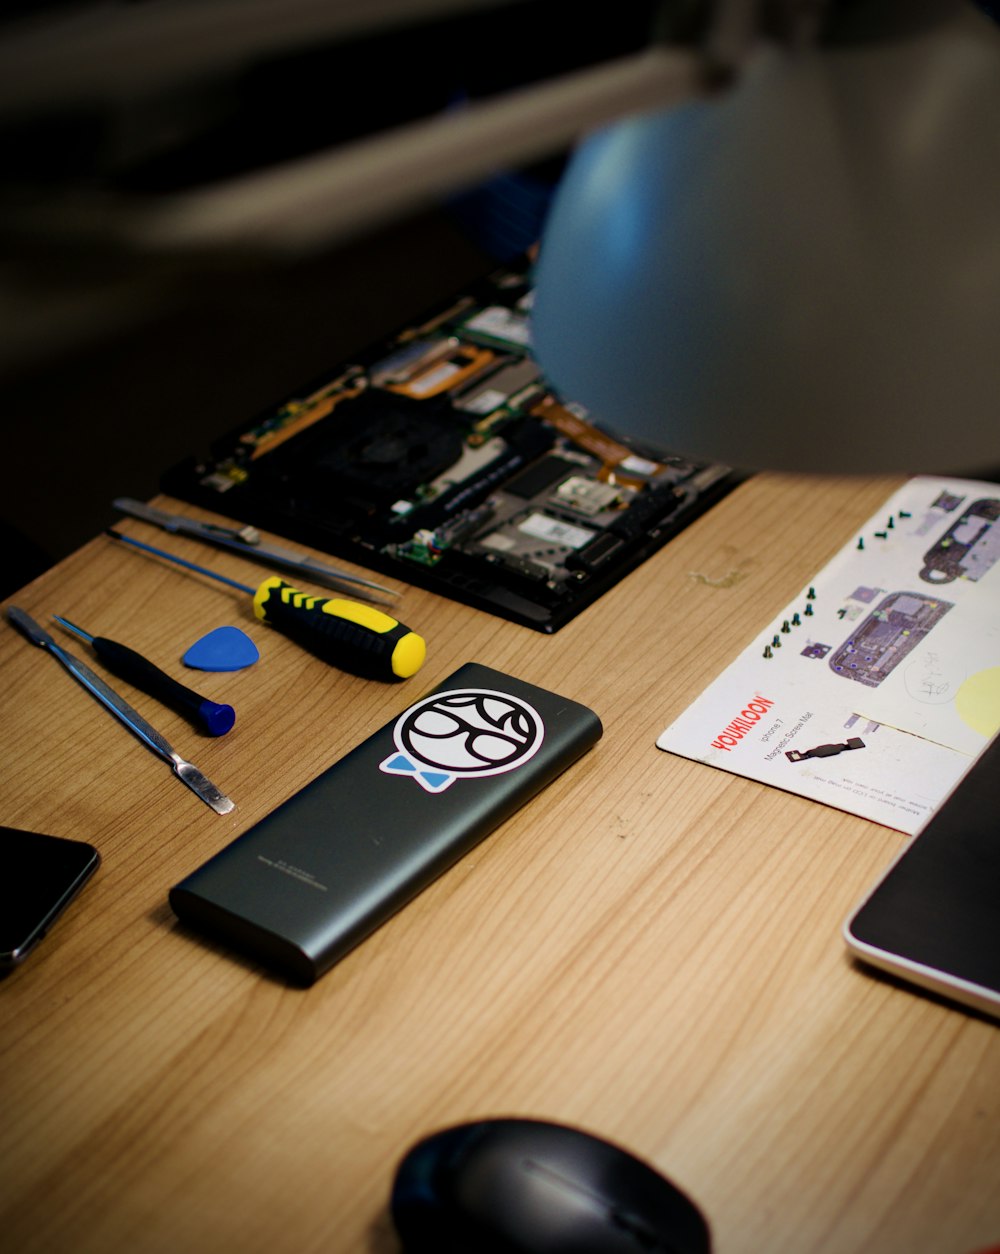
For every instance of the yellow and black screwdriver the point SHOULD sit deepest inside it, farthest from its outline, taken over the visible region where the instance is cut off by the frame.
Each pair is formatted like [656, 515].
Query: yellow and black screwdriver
[357, 638]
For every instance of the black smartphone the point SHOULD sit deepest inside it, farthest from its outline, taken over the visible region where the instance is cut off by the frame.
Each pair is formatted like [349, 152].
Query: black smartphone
[40, 875]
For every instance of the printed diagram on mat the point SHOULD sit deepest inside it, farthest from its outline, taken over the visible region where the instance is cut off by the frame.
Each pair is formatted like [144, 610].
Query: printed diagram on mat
[466, 734]
[969, 548]
[922, 697]
[889, 634]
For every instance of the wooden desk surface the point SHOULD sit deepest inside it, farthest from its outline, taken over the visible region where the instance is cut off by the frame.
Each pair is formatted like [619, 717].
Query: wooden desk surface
[651, 949]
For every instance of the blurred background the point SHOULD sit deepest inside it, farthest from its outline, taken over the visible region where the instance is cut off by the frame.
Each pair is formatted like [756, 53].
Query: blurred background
[97, 404]
[102, 409]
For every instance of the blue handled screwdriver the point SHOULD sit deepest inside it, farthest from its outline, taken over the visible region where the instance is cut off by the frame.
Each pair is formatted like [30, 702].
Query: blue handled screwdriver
[208, 715]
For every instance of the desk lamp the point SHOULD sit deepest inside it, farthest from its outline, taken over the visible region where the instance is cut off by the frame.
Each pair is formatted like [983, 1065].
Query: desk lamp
[802, 272]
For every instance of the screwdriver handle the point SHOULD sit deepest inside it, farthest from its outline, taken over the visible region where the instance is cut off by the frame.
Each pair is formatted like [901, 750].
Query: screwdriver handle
[209, 715]
[357, 638]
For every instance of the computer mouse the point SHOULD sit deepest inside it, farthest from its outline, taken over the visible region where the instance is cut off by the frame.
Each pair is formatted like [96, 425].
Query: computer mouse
[526, 1186]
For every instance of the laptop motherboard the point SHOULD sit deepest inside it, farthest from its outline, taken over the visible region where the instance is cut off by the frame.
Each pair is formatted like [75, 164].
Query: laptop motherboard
[441, 456]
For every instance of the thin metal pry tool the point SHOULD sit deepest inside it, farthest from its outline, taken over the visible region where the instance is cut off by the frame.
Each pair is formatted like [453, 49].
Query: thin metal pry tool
[120, 708]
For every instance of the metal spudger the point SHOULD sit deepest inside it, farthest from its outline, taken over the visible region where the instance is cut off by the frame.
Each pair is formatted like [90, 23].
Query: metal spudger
[120, 708]
[246, 540]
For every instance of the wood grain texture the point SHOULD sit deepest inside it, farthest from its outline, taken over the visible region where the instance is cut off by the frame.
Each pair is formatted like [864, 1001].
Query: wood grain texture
[651, 949]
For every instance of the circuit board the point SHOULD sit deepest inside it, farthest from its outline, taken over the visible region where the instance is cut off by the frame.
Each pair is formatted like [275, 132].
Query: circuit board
[887, 636]
[443, 457]
[969, 548]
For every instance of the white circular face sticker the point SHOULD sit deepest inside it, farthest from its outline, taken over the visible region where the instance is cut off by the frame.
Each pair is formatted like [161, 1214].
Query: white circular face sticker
[464, 734]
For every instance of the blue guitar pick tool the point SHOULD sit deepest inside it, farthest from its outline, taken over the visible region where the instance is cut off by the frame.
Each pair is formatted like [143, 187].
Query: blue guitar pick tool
[224, 649]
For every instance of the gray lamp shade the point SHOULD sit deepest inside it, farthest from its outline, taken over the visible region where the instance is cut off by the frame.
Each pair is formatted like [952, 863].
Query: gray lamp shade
[801, 273]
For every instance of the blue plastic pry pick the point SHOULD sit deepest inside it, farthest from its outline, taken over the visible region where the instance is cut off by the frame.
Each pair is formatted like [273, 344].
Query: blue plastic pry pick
[224, 649]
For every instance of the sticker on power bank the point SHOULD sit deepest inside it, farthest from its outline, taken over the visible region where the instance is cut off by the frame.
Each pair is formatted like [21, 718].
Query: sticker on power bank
[464, 734]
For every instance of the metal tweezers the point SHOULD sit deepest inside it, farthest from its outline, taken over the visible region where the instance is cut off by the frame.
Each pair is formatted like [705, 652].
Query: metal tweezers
[246, 540]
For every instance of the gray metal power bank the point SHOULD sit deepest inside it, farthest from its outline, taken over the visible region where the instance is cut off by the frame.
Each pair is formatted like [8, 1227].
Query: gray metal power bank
[310, 881]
